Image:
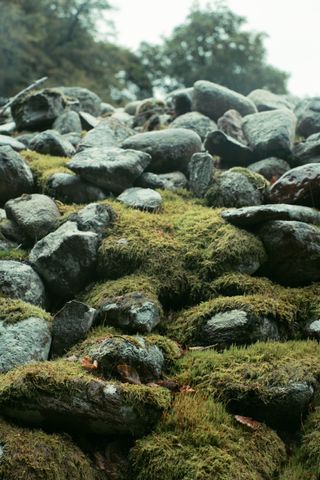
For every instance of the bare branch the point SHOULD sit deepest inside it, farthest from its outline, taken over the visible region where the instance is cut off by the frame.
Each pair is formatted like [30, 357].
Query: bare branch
[30, 87]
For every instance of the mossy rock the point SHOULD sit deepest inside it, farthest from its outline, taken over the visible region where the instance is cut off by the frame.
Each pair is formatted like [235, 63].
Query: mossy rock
[198, 439]
[63, 395]
[14, 310]
[273, 382]
[35, 455]
[44, 166]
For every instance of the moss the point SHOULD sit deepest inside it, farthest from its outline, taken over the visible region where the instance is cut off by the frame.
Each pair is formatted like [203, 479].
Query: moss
[197, 439]
[232, 284]
[44, 166]
[15, 310]
[35, 455]
[13, 254]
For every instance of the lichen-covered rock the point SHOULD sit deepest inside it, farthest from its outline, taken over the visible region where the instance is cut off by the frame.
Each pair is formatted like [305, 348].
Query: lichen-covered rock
[195, 121]
[69, 121]
[51, 142]
[18, 280]
[141, 198]
[101, 137]
[201, 168]
[270, 168]
[72, 189]
[95, 218]
[5, 140]
[169, 181]
[89, 101]
[231, 124]
[265, 100]
[308, 115]
[231, 152]
[307, 151]
[15, 175]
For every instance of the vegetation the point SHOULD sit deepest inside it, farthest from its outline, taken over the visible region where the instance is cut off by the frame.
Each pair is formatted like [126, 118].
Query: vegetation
[14, 310]
[44, 166]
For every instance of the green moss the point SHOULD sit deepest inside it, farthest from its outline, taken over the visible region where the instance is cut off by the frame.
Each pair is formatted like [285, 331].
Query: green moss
[44, 166]
[14, 310]
[35, 455]
[197, 439]
[13, 254]
[232, 284]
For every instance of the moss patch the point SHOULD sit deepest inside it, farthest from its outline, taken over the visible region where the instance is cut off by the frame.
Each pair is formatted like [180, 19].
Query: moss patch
[197, 439]
[44, 166]
[14, 310]
[13, 254]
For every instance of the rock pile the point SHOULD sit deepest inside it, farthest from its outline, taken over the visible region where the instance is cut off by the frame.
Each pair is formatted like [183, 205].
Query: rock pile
[159, 287]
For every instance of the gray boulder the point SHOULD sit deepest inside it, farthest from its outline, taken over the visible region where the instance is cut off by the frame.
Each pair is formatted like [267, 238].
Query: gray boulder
[308, 115]
[101, 136]
[214, 100]
[89, 102]
[95, 217]
[265, 100]
[313, 329]
[70, 188]
[307, 151]
[195, 121]
[27, 341]
[113, 170]
[73, 137]
[68, 121]
[170, 149]
[131, 107]
[141, 198]
[11, 142]
[231, 124]
[120, 130]
[270, 168]
[231, 152]
[15, 175]
[18, 280]
[51, 142]
[201, 168]
[106, 108]
[38, 110]
[65, 259]
[88, 121]
[167, 181]
[270, 134]
[36, 215]
[180, 100]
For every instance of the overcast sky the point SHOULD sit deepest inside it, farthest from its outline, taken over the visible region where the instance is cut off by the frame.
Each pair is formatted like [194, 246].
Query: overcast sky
[293, 28]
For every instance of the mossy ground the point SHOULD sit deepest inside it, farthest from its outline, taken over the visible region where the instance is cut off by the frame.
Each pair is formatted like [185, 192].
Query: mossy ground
[14, 310]
[197, 439]
[13, 254]
[44, 166]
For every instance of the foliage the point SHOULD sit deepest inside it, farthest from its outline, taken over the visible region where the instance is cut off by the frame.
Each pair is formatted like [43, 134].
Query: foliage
[14, 310]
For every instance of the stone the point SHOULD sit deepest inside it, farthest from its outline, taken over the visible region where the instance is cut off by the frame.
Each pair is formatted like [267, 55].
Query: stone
[36, 215]
[180, 101]
[11, 142]
[8, 128]
[100, 136]
[65, 259]
[270, 168]
[38, 109]
[15, 175]
[196, 122]
[231, 152]
[313, 329]
[120, 130]
[251, 216]
[131, 312]
[167, 181]
[293, 250]
[141, 198]
[131, 107]
[70, 326]
[51, 142]
[201, 168]
[308, 116]
[147, 109]
[18, 280]
[307, 151]
[12, 232]
[170, 149]
[265, 100]
[23, 342]
[74, 138]
[68, 121]
[231, 124]
[88, 100]
[214, 100]
[95, 217]
[270, 134]
[26, 138]
[123, 117]
[88, 121]
[301, 186]
[106, 108]
[112, 170]
[70, 188]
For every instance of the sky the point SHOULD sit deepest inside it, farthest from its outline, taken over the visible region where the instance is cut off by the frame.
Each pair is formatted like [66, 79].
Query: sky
[293, 42]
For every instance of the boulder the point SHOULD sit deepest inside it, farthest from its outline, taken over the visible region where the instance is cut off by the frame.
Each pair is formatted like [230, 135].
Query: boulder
[180, 101]
[231, 124]
[18, 280]
[308, 116]
[131, 107]
[201, 168]
[70, 188]
[5, 140]
[100, 136]
[51, 142]
[265, 100]
[170, 149]
[89, 101]
[95, 218]
[120, 130]
[231, 152]
[106, 108]
[307, 151]
[38, 109]
[270, 134]
[141, 198]
[214, 100]
[73, 137]
[270, 168]
[68, 121]
[36, 215]
[88, 121]
[195, 121]
[167, 181]
[113, 170]
[65, 259]
[15, 175]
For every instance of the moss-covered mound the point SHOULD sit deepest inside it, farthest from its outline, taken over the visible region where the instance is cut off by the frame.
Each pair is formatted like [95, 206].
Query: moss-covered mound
[35, 455]
[44, 166]
[198, 439]
[14, 310]
[274, 382]
[13, 254]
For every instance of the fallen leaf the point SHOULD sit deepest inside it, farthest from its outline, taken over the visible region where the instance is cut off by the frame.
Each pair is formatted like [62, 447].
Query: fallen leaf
[88, 364]
[249, 422]
[128, 374]
[187, 389]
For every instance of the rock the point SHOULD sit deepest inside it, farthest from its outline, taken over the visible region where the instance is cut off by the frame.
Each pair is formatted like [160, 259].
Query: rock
[51, 143]
[168, 181]
[36, 215]
[270, 168]
[270, 134]
[15, 175]
[293, 250]
[61, 395]
[146, 110]
[195, 121]
[313, 329]
[237, 327]
[72, 189]
[131, 107]
[201, 170]
[123, 117]
[26, 138]
[18, 280]
[11, 142]
[88, 121]
[231, 124]
[99, 137]
[231, 152]
[113, 170]
[120, 130]
[180, 101]
[236, 188]
[68, 121]
[265, 100]
[308, 115]
[106, 108]
[89, 101]
[38, 110]
[8, 128]
[73, 137]
[132, 313]
[214, 100]
[65, 259]
[307, 151]
[12, 232]
[70, 326]
[170, 149]
[251, 216]
[26, 341]
[298, 186]
[141, 198]
[94, 218]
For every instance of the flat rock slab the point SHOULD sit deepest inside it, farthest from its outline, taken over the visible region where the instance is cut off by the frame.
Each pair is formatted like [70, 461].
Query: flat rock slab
[141, 198]
[196, 121]
[101, 136]
[168, 181]
[251, 216]
[265, 100]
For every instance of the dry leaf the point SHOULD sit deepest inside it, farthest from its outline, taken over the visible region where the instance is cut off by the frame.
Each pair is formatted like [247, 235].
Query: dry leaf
[249, 422]
[187, 389]
[128, 374]
[88, 364]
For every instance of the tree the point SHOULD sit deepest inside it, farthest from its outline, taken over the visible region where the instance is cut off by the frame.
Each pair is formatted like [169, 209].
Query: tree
[212, 45]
